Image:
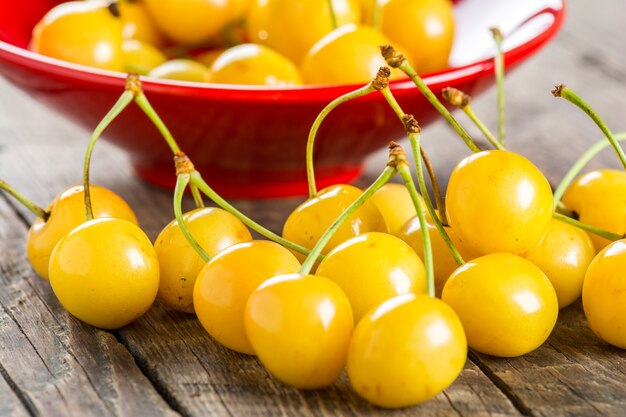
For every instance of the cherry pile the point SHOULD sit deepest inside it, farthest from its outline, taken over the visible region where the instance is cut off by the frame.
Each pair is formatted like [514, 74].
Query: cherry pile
[259, 42]
[388, 284]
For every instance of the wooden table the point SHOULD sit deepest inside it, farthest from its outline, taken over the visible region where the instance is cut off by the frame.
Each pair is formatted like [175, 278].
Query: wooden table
[165, 364]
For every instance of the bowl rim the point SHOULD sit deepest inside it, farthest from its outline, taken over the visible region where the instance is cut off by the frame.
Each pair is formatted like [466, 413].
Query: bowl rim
[112, 79]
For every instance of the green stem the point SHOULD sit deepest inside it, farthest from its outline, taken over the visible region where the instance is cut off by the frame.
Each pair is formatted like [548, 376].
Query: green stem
[198, 181]
[384, 177]
[499, 69]
[182, 180]
[560, 208]
[34, 208]
[498, 144]
[569, 95]
[415, 139]
[197, 197]
[396, 60]
[439, 201]
[405, 173]
[415, 145]
[580, 163]
[588, 227]
[310, 171]
[125, 99]
[333, 15]
[147, 108]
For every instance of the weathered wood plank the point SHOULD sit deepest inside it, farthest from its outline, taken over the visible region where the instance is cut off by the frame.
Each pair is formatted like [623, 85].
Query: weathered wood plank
[204, 378]
[10, 404]
[573, 373]
[59, 365]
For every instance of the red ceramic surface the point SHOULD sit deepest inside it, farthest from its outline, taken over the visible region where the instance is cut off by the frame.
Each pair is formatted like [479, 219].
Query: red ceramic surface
[250, 141]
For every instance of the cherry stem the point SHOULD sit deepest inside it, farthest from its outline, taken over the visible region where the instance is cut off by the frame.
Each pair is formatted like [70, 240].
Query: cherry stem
[405, 173]
[125, 99]
[145, 105]
[588, 227]
[580, 163]
[566, 93]
[499, 70]
[384, 177]
[441, 205]
[197, 197]
[198, 181]
[182, 181]
[462, 101]
[310, 171]
[560, 208]
[413, 132]
[397, 60]
[333, 15]
[34, 208]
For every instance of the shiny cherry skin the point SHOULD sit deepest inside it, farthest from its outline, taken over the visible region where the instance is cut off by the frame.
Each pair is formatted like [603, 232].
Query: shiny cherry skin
[604, 294]
[443, 261]
[425, 28]
[349, 54]
[406, 351]
[306, 224]
[300, 328]
[372, 268]
[564, 255]
[395, 204]
[105, 272]
[82, 32]
[498, 201]
[141, 57]
[279, 23]
[182, 70]
[67, 211]
[225, 283]
[253, 64]
[598, 199]
[137, 23]
[189, 21]
[508, 307]
[215, 230]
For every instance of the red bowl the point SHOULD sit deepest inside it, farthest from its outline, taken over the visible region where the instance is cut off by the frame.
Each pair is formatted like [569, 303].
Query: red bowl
[250, 141]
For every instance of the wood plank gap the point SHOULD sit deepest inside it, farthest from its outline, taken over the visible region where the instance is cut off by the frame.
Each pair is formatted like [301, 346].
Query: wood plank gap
[502, 386]
[142, 365]
[21, 395]
[456, 410]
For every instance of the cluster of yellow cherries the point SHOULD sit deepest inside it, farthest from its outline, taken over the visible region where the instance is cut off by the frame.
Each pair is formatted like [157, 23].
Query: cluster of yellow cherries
[260, 42]
[387, 284]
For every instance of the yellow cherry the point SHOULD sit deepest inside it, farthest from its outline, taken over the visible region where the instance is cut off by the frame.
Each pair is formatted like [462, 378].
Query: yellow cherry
[214, 230]
[564, 255]
[225, 283]
[105, 272]
[253, 64]
[300, 328]
[406, 351]
[82, 32]
[372, 268]
[67, 211]
[508, 307]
